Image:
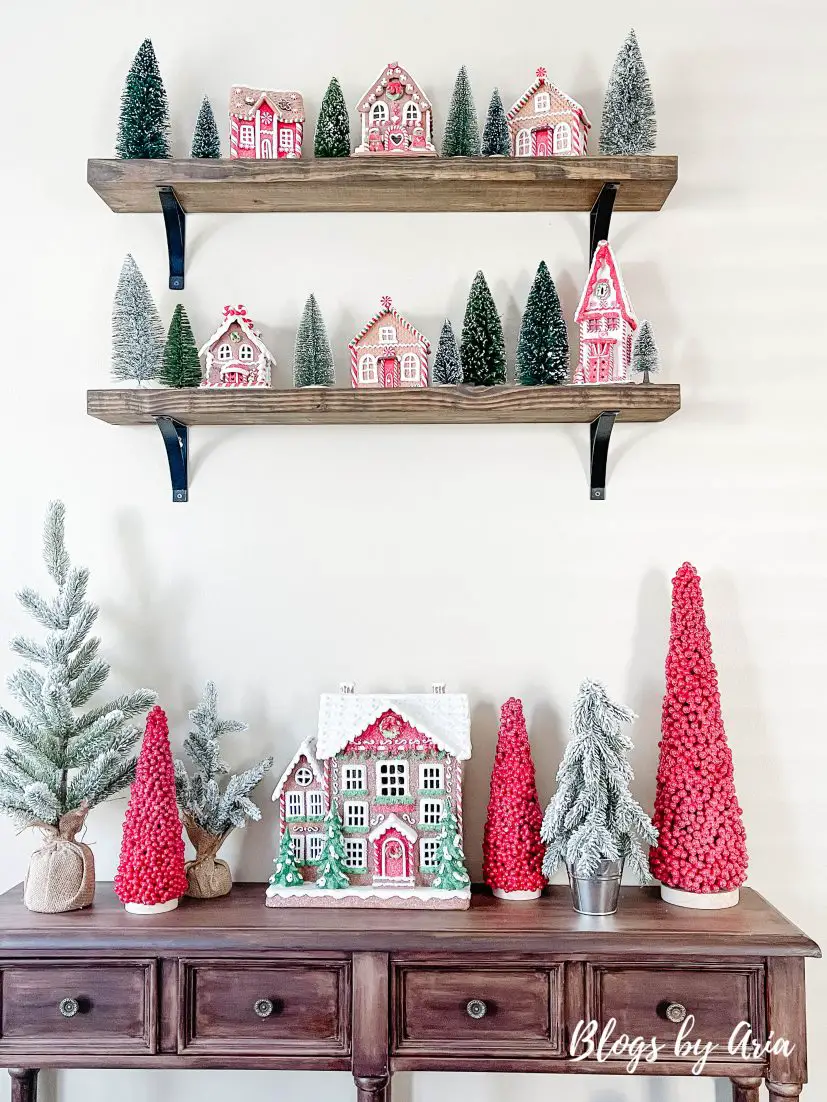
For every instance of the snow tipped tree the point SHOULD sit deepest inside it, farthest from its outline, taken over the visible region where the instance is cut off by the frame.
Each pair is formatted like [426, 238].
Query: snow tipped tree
[332, 865]
[462, 132]
[593, 816]
[313, 361]
[285, 871]
[629, 125]
[447, 370]
[451, 873]
[180, 365]
[333, 125]
[543, 347]
[205, 139]
[143, 129]
[496, 138]
[482, 346]
[645, 354]
[137, 331]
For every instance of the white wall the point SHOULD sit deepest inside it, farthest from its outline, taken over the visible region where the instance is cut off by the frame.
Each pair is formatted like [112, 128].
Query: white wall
[291, 568]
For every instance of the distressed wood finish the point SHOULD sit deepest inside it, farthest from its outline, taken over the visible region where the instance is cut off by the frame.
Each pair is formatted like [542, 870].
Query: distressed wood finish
[788, 1016]
[746, 1090]
[23, 1084]
[375, 184]
[371, 1026]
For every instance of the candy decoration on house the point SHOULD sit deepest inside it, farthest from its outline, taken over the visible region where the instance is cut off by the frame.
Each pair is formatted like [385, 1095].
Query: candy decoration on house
[462, 132]
[701, 854]
[205, 139]
[143, 128]
[607, 323]
[151, 876]
[59, 762]
[333, 124]
[645, 354]
[285, 871]
[447, 366]
[396, 116]
[137, 331]
[265, 124]
[482, 345]
[235, 355]
[389, 352]
[213, 801]
[629, 124]
[180, 365]
[496, 137]
[373, 804]
[543, 347]
[545, 122]
[313, 360]
[512, 851]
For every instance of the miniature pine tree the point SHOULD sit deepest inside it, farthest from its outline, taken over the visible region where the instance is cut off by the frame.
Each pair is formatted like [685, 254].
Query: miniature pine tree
[629, 124]
[285, 871]
[447, 369]
[482, 346]
[143, 130]
[333, 126]
[180, 366]
[313, 362]
[137, 332]
[451, 873]
[593, 816]
[205, 139]
[58, 759]
[512, 849]
[543, 347]
[645, 354]
[702, 843]
[496, 139]
[332, 866]
[462, 133]
[151, 868]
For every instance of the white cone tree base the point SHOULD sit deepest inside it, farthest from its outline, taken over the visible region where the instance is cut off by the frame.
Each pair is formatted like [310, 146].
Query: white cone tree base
[700, 901]
[151, 908]
[516, 897]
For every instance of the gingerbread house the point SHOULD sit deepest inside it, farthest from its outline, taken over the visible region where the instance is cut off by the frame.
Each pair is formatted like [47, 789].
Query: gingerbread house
[389, 352]
[545, 122]
[607, 323]
[235, 355]
[265, 124]
[396, 115]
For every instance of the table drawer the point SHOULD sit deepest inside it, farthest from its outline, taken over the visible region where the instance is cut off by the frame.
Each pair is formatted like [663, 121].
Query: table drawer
[66, 1006]
[265, 1007]
[453, 1009]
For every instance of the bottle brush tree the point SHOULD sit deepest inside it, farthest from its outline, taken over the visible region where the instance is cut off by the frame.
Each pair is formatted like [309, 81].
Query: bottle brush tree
[332, 872]
[451, 873]
[593, 816]
[180, 365]
[496, 138]
[137, 331]
[482, 345]
[543, 347]
[645, 354]
[333, 125]
[629, 125]
[285, 871]
[313, 361]
[447, 370]
[205, 139]
[462, 133]
[143, 130]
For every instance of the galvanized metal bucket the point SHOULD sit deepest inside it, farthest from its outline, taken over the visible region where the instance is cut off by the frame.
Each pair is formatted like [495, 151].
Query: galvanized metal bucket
[597, 894]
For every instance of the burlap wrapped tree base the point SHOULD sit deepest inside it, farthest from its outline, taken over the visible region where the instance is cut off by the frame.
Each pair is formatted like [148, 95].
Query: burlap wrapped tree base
[207, 877]
[61, 873]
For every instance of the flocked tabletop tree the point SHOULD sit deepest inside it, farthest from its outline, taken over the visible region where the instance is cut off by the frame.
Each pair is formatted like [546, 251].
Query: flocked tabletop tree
[543, 347]
[482, 345]
[137, 332]
[313, 360]
[496, 137]
[180, 365]
[645, 354]
[206, 142]
[447, 370]
[333, 125]
[629, 124]
[143, 128]
[462, 132]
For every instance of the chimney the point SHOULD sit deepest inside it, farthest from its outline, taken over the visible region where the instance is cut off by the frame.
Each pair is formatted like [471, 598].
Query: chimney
[346, 687]
[438, 688]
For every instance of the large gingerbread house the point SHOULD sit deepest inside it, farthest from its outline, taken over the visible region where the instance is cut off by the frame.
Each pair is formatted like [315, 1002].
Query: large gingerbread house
[396, 115]
[545, 122]
[607, 323]
[265, 124]
[235, 355]
[389, 352]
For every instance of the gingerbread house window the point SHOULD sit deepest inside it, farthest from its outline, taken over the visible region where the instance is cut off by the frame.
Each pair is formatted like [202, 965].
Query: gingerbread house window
[286, 140]
[410, 368]
[315, 805]
[304, 775]
[295, 805]
[315, 847]
[367, 369]
[412, 113]
[387, 334]
[246, 136]
[225, 353]
[356, 813]
[379, 112]
[355, 853]
[245, 353]
[297, 845]
[430, 812]
[562, 138]
[542, 103]
[392, 778]
[523, 144]
[428, 848]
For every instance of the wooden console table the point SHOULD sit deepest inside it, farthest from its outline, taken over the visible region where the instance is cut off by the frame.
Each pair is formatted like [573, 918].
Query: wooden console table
[501, 987]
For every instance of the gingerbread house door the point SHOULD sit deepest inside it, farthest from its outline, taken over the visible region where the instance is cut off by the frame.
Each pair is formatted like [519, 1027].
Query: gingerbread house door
[541, 141]
[389, 371]
[393, 859]
[600, 361]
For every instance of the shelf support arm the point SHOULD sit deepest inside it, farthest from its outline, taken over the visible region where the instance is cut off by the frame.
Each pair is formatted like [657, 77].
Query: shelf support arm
[176, 442]
[600, 218]
[600, 433]
[175, 223]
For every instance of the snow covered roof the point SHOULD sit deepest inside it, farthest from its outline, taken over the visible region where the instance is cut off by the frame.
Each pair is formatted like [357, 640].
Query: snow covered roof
[394, 71]
[286, 106]
[542, 81]
[387, 308]
[238, 314]
[444, 718]
[307, 749]
[393, 821]
[605, 266]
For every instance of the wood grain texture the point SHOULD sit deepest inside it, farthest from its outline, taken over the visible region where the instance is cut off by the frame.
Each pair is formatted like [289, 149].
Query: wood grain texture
[378, 184]
[23, 1084]
[371, 1027]
[787, 1018]
[746, 1090]
[428, 406]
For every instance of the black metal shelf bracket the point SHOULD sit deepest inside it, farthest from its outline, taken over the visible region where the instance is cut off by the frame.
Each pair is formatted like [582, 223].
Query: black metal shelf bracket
[600, 218]
[176, 442]
[175, 223]
[600, 433]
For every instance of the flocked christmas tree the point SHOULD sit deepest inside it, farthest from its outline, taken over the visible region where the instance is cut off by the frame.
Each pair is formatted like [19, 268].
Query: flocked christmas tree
[543, 347]
[333, 126]
[645, 354]
[462, 132]
[512, 851]
[629, 125]
[451, 873]
[496, 139]
[180, 365]
[137, 332]
[313, 361]
[332, 865]
[482, 346]
[593, 816]
[205, 139]
[285, 871]
[447, 369]
[143, 130]
[702, 843]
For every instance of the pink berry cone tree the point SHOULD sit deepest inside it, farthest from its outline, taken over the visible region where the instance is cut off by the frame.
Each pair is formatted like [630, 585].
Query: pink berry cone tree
[151, 868]
[512, 849]
[701, 839]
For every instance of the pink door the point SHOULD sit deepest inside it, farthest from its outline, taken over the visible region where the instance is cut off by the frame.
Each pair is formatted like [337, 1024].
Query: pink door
[393, 859]
[541, 140]
[600, 362]
[389, 371]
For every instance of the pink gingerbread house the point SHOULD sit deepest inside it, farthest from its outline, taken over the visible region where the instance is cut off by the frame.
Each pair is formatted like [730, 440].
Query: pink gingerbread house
[607, 323]
[396, 115]
[389, 352]
[265, 124]
[235, 354]
[545, 122]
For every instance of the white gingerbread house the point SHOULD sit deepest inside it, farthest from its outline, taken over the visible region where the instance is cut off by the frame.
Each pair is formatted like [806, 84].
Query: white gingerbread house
[607, 323]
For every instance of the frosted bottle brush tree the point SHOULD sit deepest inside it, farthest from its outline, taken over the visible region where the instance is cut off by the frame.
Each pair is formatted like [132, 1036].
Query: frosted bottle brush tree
[313, 360]
[462, 134]
[645, 353]
[143, 128]
[205, 139]
[447, 369]
[482, 345]
[629, 125]
[333, 126]
[180, 365]
[543, 347]
[137, 332]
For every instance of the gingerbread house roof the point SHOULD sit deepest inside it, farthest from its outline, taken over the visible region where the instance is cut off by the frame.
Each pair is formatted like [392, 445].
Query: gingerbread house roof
[393, 70]
[286, 106]
[444, 718]
[388, 308]
[239, 314]
[542, 81]
[307, 749]
[604, 266]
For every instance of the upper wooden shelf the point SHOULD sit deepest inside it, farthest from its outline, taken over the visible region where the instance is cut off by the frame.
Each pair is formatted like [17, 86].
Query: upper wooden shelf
[204, 186]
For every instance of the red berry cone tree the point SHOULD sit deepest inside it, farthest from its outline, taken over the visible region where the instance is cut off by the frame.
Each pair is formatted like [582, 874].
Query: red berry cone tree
[151, 875]
[701, 846]
[512, 849]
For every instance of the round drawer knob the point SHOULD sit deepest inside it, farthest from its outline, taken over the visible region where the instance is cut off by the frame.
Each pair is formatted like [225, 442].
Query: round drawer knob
[68, 1007]
[676, 1012]
[476, 1009]
[263, 1007]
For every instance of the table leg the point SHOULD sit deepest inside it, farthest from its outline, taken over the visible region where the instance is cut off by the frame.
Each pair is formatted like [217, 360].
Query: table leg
[23, 1084]
[780, 1091]
[745, 1090]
